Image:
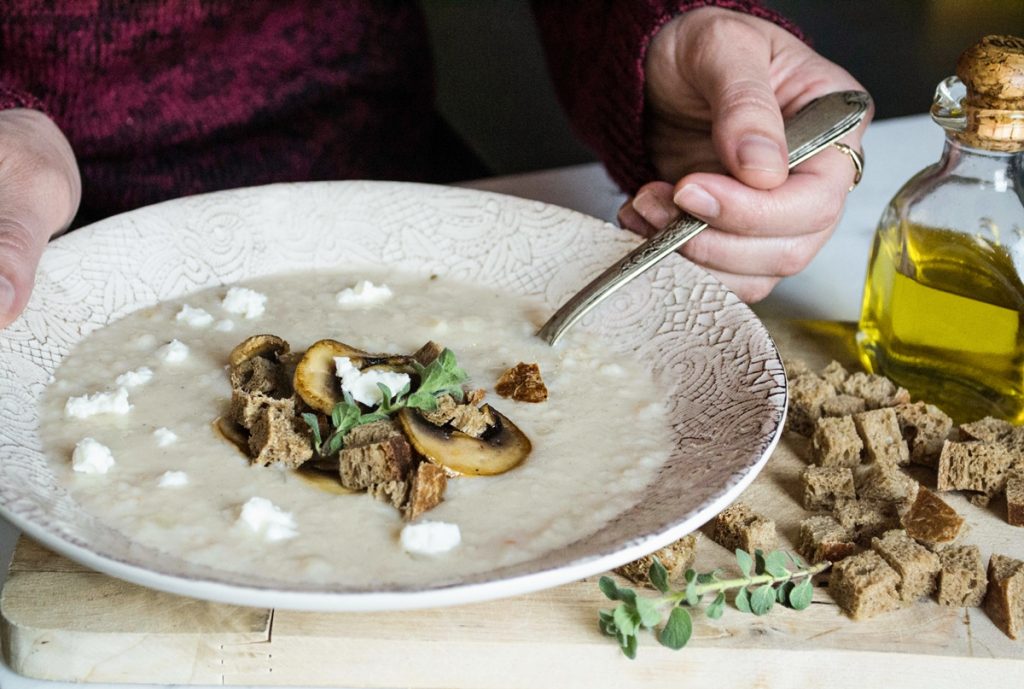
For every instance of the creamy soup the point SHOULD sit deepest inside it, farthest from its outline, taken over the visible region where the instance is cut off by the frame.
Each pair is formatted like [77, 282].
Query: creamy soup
[176, 485]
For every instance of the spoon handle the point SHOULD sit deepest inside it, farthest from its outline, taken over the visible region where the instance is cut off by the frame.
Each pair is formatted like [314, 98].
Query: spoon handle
[816, 127]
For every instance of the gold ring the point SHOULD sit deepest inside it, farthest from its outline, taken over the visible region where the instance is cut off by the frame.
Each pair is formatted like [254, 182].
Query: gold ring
[858, 162]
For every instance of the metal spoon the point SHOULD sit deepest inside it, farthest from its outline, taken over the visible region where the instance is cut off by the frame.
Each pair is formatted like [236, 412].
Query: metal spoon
[817, 126]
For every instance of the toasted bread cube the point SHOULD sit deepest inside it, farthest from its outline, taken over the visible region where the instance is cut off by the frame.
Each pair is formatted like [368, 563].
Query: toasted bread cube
[1004, 601]
[876, 391]
[1015, 497]
[864, 585]
[917, 566]
[806, 395]
[426, 490]
[865, 519]
[824, 486]
[836, 443]
[394, 492]
[426, 354]
[886, 483]
[843, 405]
[988, 429]
[962, 579]
[974, 465]
[374, 453]
[259, 374]
[677, 557]
[925, 427]
[522, 383]
[277, 438]
[930, 520]
[879, 429]
[740, 527]
[835, 373]
[823, 538]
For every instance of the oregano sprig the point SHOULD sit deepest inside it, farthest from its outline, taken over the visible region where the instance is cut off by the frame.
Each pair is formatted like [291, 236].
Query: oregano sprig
[766, 580]
[442, 376]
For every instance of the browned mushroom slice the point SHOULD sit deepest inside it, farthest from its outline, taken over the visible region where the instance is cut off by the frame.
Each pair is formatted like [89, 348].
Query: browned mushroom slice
[257, 345]
[233, 433]
[316, 379]
[500, 448]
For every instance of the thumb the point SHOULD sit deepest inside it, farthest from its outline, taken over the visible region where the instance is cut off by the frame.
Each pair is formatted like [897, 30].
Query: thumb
[746, 120]
[21, 247]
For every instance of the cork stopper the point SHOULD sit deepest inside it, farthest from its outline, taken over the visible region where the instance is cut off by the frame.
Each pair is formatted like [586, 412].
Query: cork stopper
[992, 70]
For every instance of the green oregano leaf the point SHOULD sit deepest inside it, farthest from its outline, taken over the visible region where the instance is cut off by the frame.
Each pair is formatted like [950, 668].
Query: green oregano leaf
[606, 623]
[745, 562]
[743, 600]
[608, 588]
[762, 599]
[648, 612]
[658, 575]
[626, 618]
[782, 592]
[692, 598]
[758, 561]
[802, 594]
[677, 630]
[314, 426]
[775, 564]
[628, 645]
[717, 607]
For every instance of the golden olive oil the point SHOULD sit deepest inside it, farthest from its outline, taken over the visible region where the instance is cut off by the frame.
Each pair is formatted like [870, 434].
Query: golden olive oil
[942, 317]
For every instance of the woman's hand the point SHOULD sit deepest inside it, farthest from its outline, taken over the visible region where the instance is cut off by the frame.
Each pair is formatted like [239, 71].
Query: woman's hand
[39, 193]
[718, 84]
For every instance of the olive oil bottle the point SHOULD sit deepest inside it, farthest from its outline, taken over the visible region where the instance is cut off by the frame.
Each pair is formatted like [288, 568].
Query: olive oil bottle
[944, 298]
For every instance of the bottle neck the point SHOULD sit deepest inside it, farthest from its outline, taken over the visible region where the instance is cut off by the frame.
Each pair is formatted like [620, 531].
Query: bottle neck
[998, 168]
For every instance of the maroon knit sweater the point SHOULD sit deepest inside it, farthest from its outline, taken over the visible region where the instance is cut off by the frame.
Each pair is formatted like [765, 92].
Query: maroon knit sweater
[161, 98]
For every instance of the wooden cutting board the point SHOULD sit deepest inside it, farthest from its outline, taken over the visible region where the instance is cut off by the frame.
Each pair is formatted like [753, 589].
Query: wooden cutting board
[61, 621]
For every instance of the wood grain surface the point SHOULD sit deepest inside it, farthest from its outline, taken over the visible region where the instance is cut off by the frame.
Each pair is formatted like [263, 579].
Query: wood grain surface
[61, 621]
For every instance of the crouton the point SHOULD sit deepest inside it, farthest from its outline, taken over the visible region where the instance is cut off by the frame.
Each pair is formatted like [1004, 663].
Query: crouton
[880, 432]
[1015, 497]
[962, 580]
[865, 519]
[374, 453]
[988, 429]
[835, 373]
[842, 405]
[1004, 600]
[864, 585]
[276, 437]
[823, 538]
[522, 383]
[930, 520]
[677, 557]
[886, 483]
[426, 490]
[974, 465]
[740, 527]
[824, 486]
[427, 353]
[925, 428]
[806, 395]
[917, 566]
[876, 391]
[836, 442]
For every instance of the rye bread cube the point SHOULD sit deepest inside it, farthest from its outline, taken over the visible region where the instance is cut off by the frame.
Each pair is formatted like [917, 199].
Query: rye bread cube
[879, 430]
[876, 391]
[1015, 497]
[426, 490]
[843, 405]
[825, 486]
[962, 580]
[739, 527]
[974, 465]
[989, 429]
[865, 519]
[917, 566]
[796, 368]
[925, 427]
[823, 538]
[864, 585]
[277, 437]
[1004, 600]
[887, 483]
[835, 373]
[676, 557]
[374, 453]
[806, 394]
[836, 443]
[930, 520]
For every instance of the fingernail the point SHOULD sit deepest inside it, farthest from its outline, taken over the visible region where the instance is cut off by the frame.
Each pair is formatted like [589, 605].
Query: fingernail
[760, 153]
[653, 209]
[698, 201]
[6, 296]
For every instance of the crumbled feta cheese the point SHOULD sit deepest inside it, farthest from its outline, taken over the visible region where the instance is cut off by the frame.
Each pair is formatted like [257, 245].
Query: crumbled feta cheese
[364, 293]
[224, 326]
[362, 385]
[165, 437]
[174, 352]
[133, 379]
[267, 519]
[197, 318]
[430, 538]
[98, 403]
[245, 302]
[91, 457]
[144, 341]
[173, 479]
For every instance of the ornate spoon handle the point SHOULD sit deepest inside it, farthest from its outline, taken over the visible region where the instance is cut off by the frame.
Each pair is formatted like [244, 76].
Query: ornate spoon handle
[817, 126]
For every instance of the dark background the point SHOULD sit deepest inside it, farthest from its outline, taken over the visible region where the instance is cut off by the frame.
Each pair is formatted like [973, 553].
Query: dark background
[493, 87]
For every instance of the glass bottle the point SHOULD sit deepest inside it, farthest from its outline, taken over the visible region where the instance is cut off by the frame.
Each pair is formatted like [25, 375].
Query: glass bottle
[943, 307]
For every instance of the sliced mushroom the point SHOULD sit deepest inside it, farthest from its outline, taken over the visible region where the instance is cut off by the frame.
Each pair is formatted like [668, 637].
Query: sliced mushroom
[316, 379]
[501, 448]
[327, 481]
[257, 345]
[233, 433]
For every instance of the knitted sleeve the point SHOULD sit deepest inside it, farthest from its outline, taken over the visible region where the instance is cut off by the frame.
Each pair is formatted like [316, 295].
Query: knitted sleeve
[12, 98]
[595, 53]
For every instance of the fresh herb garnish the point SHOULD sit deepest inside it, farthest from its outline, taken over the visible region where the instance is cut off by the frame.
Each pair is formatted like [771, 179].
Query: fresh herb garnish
[770, 582]
[442, 376]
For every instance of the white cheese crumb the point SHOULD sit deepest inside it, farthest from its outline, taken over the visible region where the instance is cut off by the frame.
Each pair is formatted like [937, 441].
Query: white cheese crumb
[91, 457]
[224, 326]
[430, 538]
[267, 519]
[173, 479]
[197, 318]
[133, 379]
[245, 302]
[364, 293]
[174, 352]
[165, 437]
[362, 385]
[98, 403]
